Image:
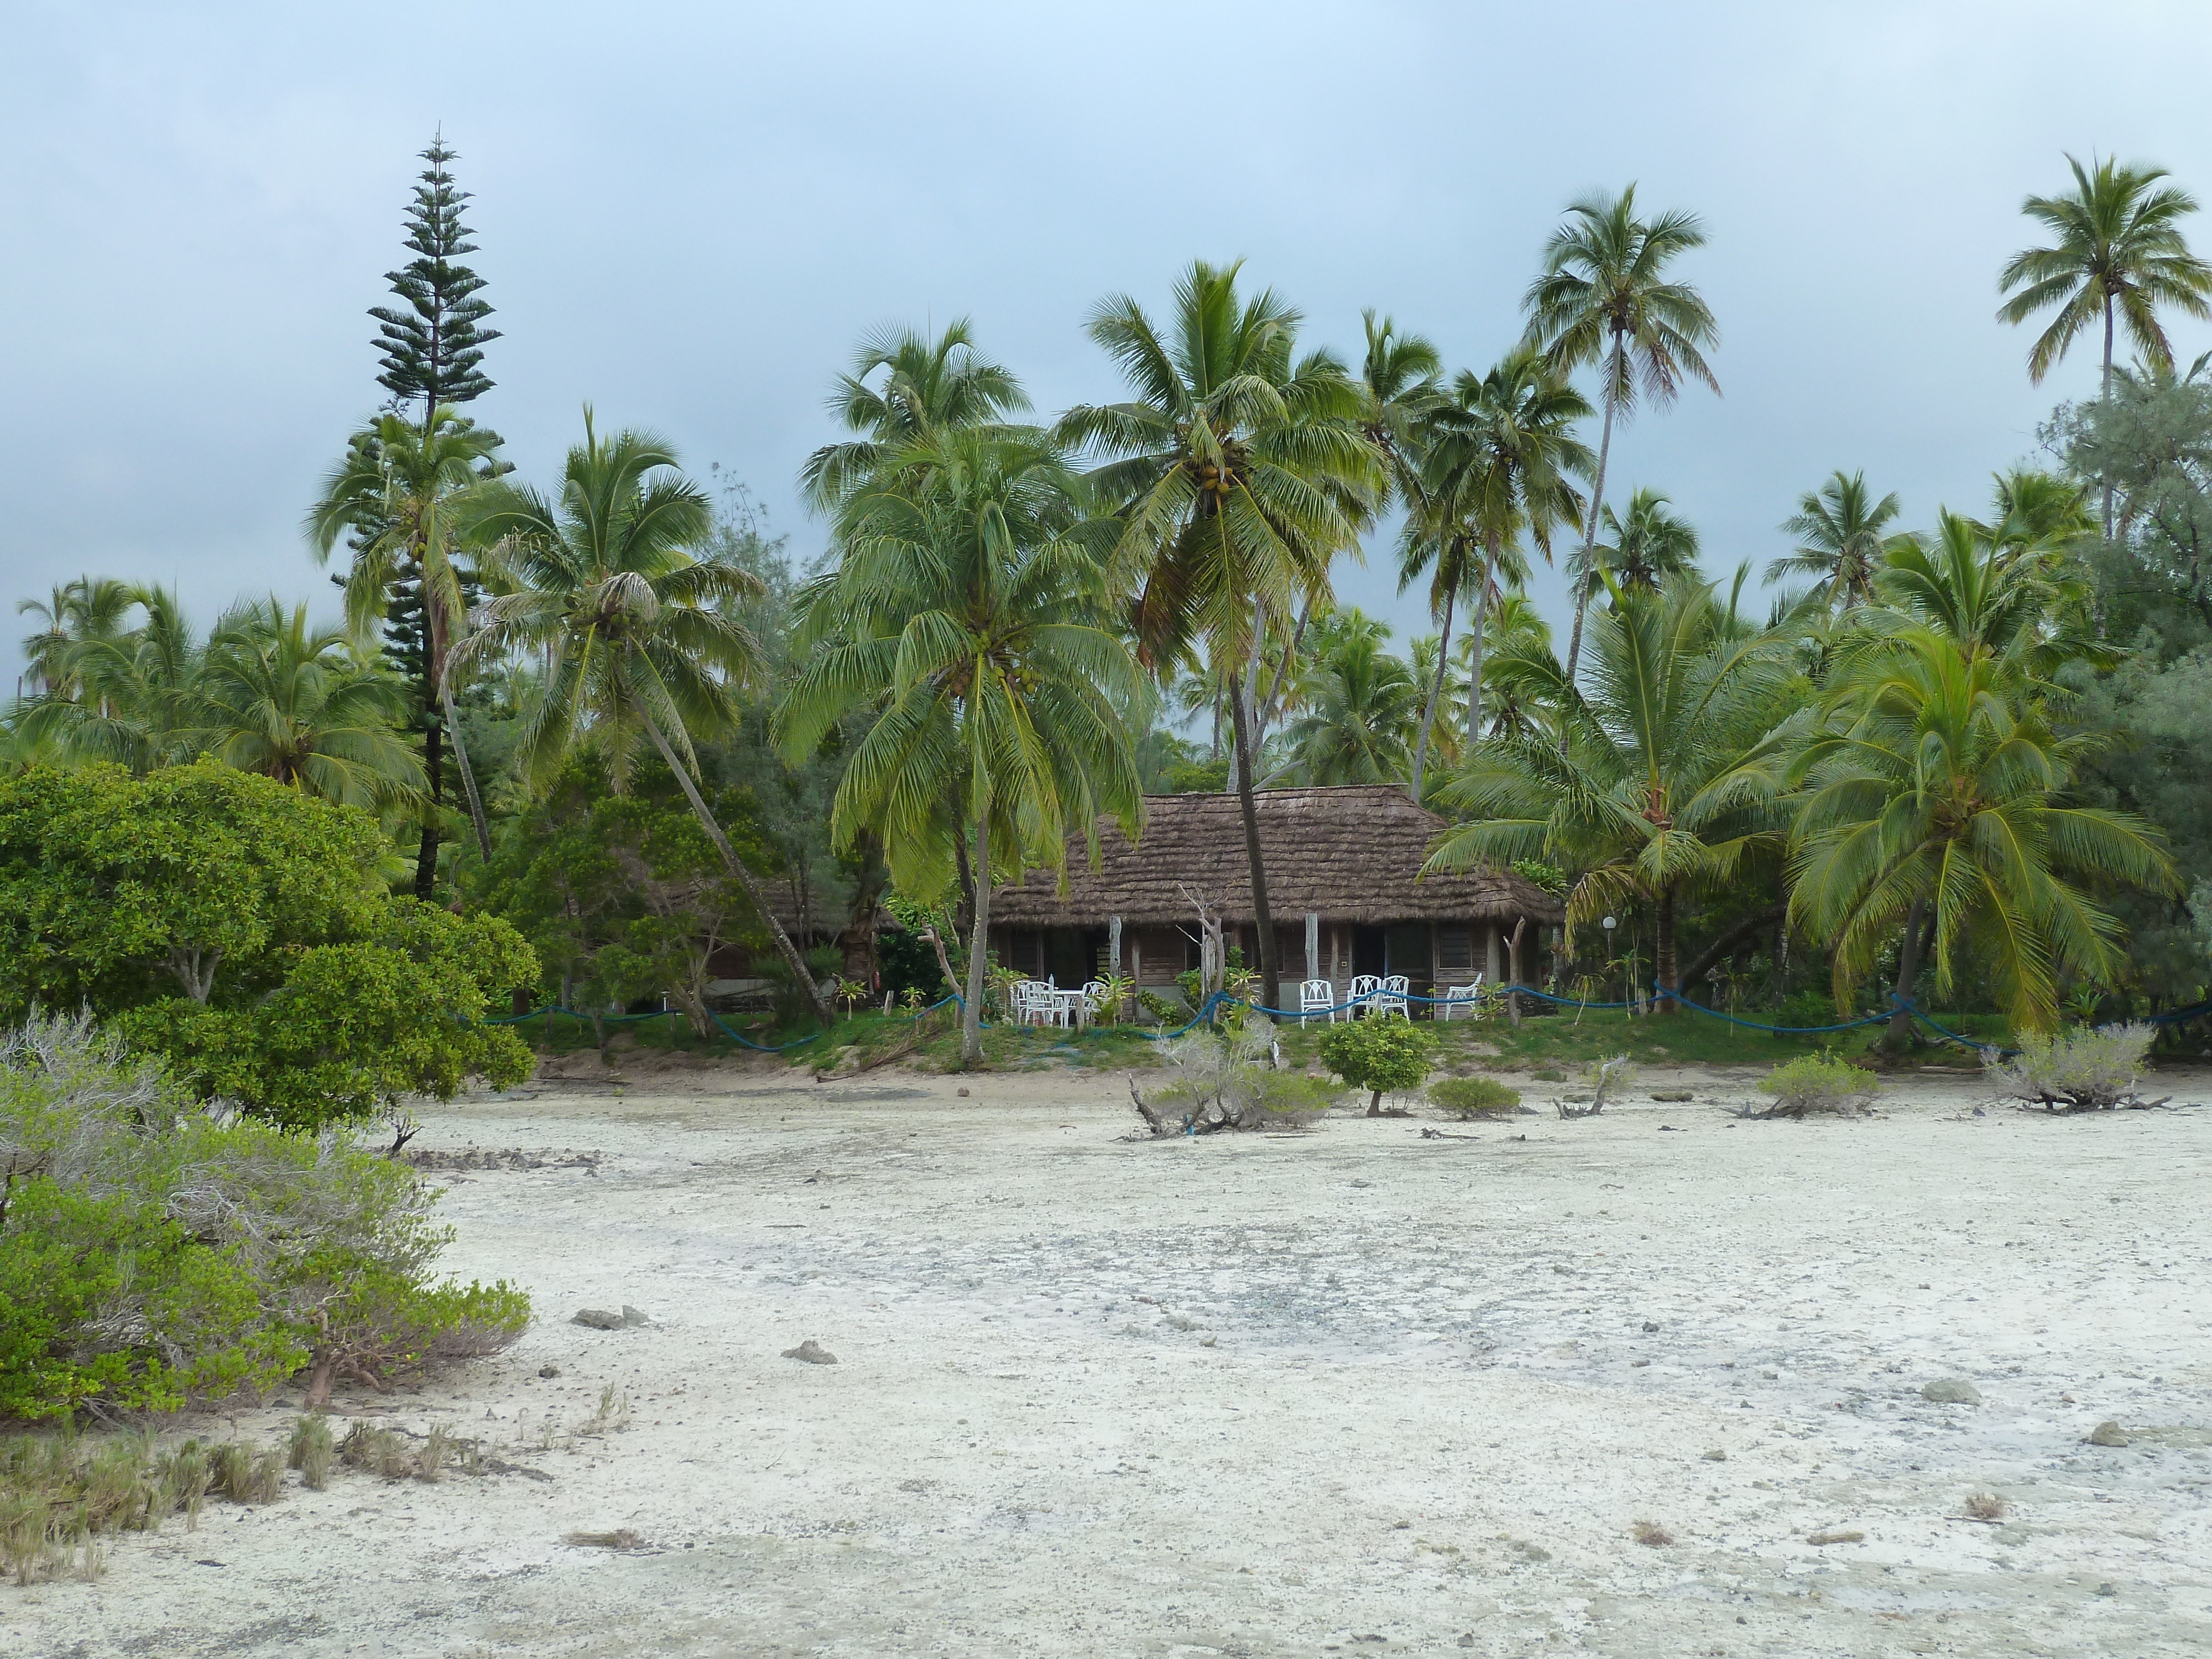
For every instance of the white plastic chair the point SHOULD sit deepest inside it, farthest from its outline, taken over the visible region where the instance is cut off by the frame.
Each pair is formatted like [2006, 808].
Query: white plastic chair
[1467, 997]
[1317, 996]
[1094, 1000]
[1392, 1000]
[1365, 989]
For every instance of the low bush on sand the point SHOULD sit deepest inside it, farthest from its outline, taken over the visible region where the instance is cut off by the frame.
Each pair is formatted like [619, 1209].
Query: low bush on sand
[2078, 1071]
[155, 1254]
[1816, 1086]
[1469, 1098]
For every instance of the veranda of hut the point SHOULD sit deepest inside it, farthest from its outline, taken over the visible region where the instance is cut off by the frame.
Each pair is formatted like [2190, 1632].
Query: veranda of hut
[1345, 888]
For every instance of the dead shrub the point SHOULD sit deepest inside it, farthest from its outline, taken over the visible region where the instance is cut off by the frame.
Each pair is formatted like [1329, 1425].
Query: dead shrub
[1986, 1506]
[1651, 1533]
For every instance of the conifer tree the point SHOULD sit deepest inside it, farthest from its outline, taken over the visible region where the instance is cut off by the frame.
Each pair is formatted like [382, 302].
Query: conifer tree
[432, 344]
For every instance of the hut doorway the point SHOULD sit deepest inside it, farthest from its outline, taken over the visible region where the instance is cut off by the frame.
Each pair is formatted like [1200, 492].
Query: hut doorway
[1368, 953]
[1406, 949]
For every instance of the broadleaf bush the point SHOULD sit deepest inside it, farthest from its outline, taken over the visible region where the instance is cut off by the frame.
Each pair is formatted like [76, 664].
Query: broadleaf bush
[1817, 1084]
[1469, 1098]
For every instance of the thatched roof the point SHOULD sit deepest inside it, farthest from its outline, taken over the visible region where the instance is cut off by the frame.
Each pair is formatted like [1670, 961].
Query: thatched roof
[1351, 855]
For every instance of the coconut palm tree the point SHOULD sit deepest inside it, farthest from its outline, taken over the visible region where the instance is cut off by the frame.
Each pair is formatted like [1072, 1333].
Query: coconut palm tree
[76, 612]
[1603, 297]
[1838, 529]
[968, 620]
[609, 580]
[1500, 455]
[1648, 547]
[1237, 470]
[306, 705]
[1988, 600]
[1360, 705]
[902, 389]
[403, 491]
[123, 694]
[2117, 255]
[1663, 787]
[1933, 793]
[1399, 384]
[1518, 667]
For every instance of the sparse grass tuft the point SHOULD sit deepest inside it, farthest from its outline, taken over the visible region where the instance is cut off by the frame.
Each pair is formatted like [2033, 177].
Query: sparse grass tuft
[1651, 1533]
[312, 1450]
[437, 1451]
[1986, 1506]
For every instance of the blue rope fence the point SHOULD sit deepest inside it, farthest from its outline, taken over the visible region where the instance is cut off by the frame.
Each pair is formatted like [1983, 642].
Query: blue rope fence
[1222, 999]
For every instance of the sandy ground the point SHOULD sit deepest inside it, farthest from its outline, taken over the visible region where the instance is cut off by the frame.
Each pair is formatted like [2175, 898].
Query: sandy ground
[1353, 1391]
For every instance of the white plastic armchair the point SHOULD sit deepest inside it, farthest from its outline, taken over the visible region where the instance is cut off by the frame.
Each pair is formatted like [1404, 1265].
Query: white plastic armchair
[1317, 996]
[1392, 1000]
[1458, 997]
[1365, 989]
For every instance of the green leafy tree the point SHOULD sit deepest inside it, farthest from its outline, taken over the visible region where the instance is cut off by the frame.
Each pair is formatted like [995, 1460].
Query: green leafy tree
[431, 344]
[966, 618]
[2116, 256]
[1664, 789]
[616, 582]
[1237, 469]
[308, 996]
[1838, 529]
[1383, 1056]
[1604, 297]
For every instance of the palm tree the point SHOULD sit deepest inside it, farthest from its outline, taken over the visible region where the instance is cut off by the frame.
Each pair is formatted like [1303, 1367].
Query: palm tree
[1988, 600]
[302, 705]
[2118, 252]
[78, 611]
[1603, 298]
[1237, 469]
[1661, 788]
[1361, 704]
[403, 491]
[638, 638]
[122, 695]
[902, 389]
[1398, 386]
[1839, 539]
[1500, 453]
[1652, 545]
[1518, 666]
[969, 618]
[1932, 804]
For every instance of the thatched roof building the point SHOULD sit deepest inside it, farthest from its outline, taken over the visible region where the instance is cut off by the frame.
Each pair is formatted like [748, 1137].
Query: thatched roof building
[1344, 884]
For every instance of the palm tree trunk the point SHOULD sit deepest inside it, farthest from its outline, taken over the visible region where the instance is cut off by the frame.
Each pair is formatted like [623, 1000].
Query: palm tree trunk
[1270, 708]
[979, 942]
[1475, 642]
[2105, 397]
[1662, 957]
[1589, 536]
[426, 856]
[744, 877]
[1271, 984]
[1436, 693]
[468, 777]
[1898, 1034]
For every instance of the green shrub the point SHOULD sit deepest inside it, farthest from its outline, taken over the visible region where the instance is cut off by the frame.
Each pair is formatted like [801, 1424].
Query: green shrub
[1467, 1097]
[1817, 1082]
[152, 1256]
[1380, 1055]
[1166, 1012]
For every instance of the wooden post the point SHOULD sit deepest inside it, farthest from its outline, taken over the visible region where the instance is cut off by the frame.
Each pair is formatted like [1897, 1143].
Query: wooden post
[1513, 955]
[1313, 944]
[1113, 946]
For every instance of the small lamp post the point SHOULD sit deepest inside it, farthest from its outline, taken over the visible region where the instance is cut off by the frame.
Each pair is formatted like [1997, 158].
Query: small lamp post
[1609, 924]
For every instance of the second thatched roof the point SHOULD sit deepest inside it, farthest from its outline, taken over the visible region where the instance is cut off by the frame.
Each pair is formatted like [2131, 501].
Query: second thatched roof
[1350, 853]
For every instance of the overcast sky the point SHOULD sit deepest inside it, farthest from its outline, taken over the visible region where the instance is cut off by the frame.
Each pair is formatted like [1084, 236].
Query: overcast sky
[688, 213]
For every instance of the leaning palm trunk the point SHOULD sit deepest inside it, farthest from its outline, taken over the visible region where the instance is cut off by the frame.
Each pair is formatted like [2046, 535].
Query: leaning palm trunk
[1436, 694]
[1271, 983]
[1589, 537]
[1475, 643]
[979, 943]
[468, 776]
[744, 877]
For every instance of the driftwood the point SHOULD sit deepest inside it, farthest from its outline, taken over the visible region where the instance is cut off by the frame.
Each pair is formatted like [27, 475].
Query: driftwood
[1608, 1071]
